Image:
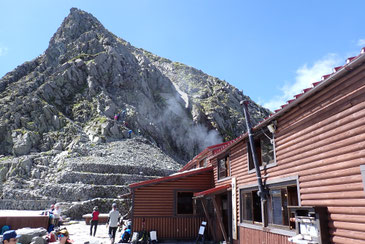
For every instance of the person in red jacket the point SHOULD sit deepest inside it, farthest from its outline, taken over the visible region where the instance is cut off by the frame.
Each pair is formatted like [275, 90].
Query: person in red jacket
[94, 220]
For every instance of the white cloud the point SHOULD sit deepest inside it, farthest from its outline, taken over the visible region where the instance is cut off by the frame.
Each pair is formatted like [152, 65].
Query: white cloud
[305, 76]
[3, 51]
[361, 42]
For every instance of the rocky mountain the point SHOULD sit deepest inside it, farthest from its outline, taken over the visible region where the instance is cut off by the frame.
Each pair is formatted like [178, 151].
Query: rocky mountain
[57, 128]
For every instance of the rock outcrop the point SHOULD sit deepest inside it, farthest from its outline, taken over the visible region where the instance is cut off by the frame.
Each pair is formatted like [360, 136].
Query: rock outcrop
[57, 114]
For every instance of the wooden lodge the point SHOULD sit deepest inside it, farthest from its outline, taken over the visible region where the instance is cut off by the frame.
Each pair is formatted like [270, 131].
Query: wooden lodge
[311, 156]
[166, 205]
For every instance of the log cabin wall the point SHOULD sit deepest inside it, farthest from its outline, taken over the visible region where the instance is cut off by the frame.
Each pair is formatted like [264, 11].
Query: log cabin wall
[320, 141]
[156, 204]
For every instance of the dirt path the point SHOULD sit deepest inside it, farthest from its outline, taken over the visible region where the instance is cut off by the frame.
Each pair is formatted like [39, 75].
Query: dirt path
[80, 233]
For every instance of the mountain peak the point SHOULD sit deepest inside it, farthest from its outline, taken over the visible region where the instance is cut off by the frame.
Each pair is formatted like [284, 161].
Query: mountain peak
[77, 23]
[78, 27]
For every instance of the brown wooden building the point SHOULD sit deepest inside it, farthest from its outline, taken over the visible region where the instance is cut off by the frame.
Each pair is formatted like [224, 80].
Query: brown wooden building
[166, 205]
[312, 156]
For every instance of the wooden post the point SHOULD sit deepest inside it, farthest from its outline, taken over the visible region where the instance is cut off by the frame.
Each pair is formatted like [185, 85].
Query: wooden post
[219, 217]
[210, 223]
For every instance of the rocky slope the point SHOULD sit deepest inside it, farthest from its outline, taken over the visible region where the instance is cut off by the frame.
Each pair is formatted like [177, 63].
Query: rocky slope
[57, 132]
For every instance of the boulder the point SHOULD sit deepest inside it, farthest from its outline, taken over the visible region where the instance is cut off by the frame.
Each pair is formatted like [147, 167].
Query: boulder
[38, 240]
[22, 145]
[3, 172]
[27, 234]
[6, 142]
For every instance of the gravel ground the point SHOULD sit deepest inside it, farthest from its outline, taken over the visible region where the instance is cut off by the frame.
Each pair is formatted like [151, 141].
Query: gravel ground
[80, 233]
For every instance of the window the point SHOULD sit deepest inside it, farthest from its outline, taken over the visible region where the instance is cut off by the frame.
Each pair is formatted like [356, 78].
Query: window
[280, 197]
[250, 207]
[185, 203]
[279, 200]
[203, 163]
[224, 167]
[264, 148]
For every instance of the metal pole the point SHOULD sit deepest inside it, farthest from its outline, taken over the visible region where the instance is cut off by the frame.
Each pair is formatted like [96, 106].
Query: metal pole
[262, 192]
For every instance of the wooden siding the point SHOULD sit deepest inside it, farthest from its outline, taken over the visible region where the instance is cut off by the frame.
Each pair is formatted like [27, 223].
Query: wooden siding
[322, 141]
[171, 227]
[250, 236]
[156, 203]
[159, 199]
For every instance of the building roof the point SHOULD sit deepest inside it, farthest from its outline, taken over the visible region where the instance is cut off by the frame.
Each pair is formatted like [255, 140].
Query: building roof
[338, 72]
[202, 153]
[215, 190]
[175, 176]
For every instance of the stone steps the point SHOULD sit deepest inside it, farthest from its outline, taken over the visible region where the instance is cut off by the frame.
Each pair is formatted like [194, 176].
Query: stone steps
[100, 178]
[25, 204]
[119, 168]
[82, 192]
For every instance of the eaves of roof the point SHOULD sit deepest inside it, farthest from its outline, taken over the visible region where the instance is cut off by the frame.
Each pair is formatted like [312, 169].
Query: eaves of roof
[175, 176]
[202, 153]
[338, 72]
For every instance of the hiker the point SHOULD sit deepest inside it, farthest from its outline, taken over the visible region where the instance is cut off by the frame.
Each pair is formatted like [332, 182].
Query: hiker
[63, 236]
[51, 218]
[57, 215]
[126, 235]
[10, 237]
[130, 134]
[139, 132]
[116, 117]
[113, 220]
[52, 209]
[123, 114]
[94, 220]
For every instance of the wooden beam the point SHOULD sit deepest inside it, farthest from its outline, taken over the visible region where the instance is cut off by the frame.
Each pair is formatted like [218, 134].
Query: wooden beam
[210, 223]
[218, 212]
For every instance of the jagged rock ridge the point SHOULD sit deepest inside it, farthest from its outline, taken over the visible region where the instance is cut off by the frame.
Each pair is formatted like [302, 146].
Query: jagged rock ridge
[65, 99]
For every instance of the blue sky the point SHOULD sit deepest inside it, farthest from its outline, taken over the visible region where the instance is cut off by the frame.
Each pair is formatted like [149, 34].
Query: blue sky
[269, 49]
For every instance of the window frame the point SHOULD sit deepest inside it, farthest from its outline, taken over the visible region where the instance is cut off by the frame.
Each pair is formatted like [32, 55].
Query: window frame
[252, 190]
[281, 187]
[228, 170]
[272, 184]
[176, 191]
[202, 163]
[265, 165]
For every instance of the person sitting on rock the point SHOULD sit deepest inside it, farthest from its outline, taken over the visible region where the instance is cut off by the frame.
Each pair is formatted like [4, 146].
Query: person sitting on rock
[94, 220]
[57, 215]
[10, 237]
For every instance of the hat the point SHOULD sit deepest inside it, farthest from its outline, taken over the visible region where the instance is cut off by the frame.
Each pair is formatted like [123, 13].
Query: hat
[10, 234]
[63, 231]
[96, 208]
[114, 204]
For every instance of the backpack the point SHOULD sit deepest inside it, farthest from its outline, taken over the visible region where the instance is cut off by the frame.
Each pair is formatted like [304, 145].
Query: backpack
[5, 228]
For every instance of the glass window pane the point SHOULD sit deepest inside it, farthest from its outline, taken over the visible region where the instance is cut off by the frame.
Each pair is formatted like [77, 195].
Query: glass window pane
[267, 150]
[284, 205]
[256, 207]
[185, 203]
[223, 167]
[251, 164]
[246, 206]
[276, 206]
